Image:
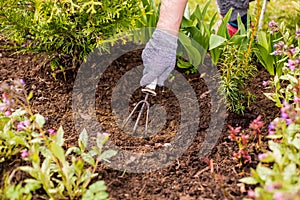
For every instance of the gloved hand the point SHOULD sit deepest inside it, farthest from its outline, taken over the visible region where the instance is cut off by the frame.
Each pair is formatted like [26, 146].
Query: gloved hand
[159, 57]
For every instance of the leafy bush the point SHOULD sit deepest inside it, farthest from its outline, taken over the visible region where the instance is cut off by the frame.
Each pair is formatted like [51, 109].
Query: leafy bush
[53, 171]
[66, 30]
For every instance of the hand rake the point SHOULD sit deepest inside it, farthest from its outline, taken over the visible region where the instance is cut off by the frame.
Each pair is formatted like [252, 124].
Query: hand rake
[148, 90]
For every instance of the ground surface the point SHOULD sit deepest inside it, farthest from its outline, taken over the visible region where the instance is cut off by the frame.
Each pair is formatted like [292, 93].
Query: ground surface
[186, 178]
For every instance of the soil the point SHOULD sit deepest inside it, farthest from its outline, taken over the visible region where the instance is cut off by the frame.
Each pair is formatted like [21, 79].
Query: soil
[189, 176]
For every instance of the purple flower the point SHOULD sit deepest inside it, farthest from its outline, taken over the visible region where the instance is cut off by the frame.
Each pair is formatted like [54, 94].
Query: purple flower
[271, 126]
[23, 125]
[51, 131]
[24, 154]
[251, 194]
[273, 26]
[22, 81]
[265, 83]
[288, 121]
[284, 115]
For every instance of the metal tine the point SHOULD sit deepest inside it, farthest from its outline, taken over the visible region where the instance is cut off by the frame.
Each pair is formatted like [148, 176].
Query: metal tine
[143, 102]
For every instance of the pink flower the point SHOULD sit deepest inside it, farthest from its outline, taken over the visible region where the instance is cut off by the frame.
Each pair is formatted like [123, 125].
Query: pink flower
[51, 131]
[24, 154]
[251, 194]
[265, 83]
[23, 125]
[4, 96]
[291, 64]
[245, 139]
[7, 113]
[278, 196]
[296, 99]
[262, 156]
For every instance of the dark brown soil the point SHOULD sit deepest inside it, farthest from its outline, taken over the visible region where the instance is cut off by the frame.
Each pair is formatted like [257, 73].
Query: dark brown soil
[189, 176]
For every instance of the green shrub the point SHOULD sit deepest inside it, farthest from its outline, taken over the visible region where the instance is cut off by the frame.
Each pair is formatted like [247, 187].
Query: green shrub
[67, 30]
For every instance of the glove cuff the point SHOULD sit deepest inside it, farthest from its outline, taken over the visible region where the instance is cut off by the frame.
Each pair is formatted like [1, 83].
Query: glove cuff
[165, 39]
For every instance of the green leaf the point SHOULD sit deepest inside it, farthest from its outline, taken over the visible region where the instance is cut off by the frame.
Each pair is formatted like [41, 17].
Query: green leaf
[216, 41]
[107, 154]
[264, 173]
[88, 158]
[83, 140]
[33, 172]
[277, 154]
[30, 95]
[296, 141]
[40, 120]
[289, 172]
[18, 113]
[73, 149]
[58, 152]
[266, 59]
[249, 180]
[59, 137]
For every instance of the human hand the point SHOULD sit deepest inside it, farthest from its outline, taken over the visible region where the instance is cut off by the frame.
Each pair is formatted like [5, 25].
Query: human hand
[159, 57]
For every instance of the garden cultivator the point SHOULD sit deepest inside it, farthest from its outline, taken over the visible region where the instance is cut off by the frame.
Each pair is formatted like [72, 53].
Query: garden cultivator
[148, 90]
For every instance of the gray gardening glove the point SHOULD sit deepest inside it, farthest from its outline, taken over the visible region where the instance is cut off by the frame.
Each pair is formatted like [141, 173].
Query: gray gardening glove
[159, 57]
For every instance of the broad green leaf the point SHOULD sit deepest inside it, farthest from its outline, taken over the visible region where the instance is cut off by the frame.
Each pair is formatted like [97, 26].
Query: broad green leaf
[266, 59]
[216, 41]
[262, 40]
[58, 152]
[222, 31]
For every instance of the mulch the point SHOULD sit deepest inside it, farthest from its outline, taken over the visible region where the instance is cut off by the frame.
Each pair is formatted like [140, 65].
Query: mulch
[188, 176]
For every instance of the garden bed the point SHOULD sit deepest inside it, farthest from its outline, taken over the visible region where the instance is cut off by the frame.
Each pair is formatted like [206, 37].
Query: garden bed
[189, 177]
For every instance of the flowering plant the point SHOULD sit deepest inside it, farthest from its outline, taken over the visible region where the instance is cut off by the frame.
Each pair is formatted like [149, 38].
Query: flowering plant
[287, 83]
[58, 173]
[278, 171]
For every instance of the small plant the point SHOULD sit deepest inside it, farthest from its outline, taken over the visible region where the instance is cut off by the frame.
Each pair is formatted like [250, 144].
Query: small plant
[278, 171]
[243, 139]
[55, 172]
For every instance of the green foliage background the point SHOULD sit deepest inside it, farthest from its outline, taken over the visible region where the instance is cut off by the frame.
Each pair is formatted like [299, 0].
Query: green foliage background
[66, 29]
